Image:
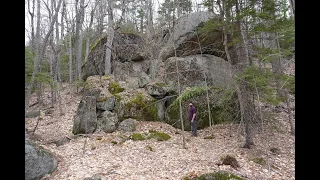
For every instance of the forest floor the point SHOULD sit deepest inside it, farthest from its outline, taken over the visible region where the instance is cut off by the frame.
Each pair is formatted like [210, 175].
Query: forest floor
[83, 157]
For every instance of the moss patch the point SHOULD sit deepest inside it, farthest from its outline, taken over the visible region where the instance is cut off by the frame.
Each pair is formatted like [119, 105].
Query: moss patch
[114, 87]
[159, 136]
[259, 160]
[148, 111]
[149, 148]
[137, 137]
[160, 84]
[216, 176]
[223, 107]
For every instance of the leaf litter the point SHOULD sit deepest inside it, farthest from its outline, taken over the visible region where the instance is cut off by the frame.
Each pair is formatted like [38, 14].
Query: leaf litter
[168, 160]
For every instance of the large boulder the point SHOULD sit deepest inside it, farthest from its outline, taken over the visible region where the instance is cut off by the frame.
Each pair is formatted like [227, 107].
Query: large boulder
[192, 69]
[125, 71]
[137, 104]
[158, 90]
[100, 87]
[128, 125]
[107, 122]
[85, 120]
[127, 47]
[193, 30]
[38, 161]
[223, 107]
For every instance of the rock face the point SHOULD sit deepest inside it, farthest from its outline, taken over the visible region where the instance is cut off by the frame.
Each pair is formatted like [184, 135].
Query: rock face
[128, 125]
[184, 31]
[191, 70]
[85, 121]
[143, 81]
[135, 104]
[126, 48]
[188, 33]
[223, 107]
[158, 90]
[127, 70]
[105, 102]
[107, 122]
[38, 162]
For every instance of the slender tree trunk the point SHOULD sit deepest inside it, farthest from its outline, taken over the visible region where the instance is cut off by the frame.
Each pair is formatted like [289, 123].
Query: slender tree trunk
[107, 66]
[33, 47]
[180, 106]
[89, 34]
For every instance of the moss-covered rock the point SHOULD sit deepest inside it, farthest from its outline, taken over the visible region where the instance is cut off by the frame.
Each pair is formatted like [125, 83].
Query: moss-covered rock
[137, 104]
[159, 136]
[115, 87]
[223, 107]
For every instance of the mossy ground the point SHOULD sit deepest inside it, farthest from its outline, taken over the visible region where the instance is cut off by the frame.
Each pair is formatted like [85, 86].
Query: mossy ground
[216, 176]
[159, 136]
[137, 137]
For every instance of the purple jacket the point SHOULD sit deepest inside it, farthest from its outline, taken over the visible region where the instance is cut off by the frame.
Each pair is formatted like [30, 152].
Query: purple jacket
[192, 110]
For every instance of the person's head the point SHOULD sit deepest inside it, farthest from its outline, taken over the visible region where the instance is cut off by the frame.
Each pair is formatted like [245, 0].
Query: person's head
[190, 104]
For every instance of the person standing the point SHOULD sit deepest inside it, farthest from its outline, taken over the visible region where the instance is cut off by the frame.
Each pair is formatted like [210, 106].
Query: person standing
[192, 118]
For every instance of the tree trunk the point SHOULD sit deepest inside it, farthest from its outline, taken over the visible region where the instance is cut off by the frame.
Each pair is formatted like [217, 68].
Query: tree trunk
[180, 106]
[89, 34]
[107, 67]
[78, 37]
[33, 47]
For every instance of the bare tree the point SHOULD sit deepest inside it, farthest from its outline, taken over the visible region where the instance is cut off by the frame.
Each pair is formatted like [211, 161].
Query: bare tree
[89, 32]
[78, 36]
[32, 24]
[107, 67]
[40, 50]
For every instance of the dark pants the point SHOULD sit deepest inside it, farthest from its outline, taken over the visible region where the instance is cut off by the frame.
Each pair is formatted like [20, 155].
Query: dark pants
[194, 128]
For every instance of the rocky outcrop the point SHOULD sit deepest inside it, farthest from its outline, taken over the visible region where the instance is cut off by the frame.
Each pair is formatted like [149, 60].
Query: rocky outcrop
[107, 122]
[128, 125]
[158, 90]
[189, 33]
[85, 120]
[128, 70]
[192, 69]
[38, 161]
[135, 104]
[223, 107]
[127, 47]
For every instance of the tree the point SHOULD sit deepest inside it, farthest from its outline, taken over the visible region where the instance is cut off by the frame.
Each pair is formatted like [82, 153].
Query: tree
[79, 36]
[40, 50]
[107, 67]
